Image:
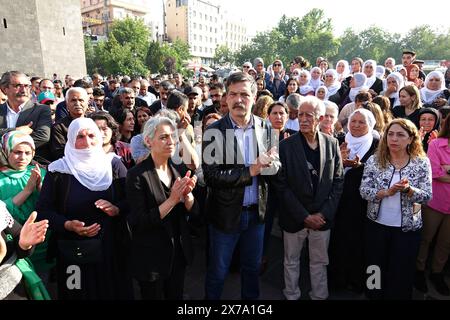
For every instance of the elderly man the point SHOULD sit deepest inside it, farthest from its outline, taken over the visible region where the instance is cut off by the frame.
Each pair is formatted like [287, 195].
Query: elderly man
[236, 176]
[309, 186]
[21, 113]
[135, 84]
[146, 95]
[77, 104]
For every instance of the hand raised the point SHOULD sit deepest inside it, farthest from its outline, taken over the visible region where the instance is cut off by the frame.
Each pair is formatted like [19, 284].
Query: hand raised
[32, 233]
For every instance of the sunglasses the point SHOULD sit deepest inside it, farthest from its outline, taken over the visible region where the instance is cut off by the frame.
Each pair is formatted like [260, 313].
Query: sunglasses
[245, 66]
[277, 64]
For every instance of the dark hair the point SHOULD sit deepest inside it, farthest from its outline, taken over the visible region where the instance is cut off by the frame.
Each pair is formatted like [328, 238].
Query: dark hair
[301, 61]
[281, 104]
[6, 77]
[167, 85]
[82, 84]
[98, 92]
[176, 99]
[445, 130]
[286, 92]
[121, 114]
[57, 81]
[242, 77]
[363, 96]
[218, 86]
[32, 78]
[110, 122]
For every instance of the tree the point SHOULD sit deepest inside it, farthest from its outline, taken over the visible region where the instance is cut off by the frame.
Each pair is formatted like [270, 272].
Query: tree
[168, 57]
[91, 63]
[132, 32]
[223, 55]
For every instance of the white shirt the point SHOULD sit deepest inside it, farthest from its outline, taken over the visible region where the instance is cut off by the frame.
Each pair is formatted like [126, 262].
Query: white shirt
[292, 124]
[149, 98]
[12, 116]
[390, 208]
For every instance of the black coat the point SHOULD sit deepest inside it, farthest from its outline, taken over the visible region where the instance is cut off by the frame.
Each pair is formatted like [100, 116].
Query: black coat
[152, 244]
[294, 186]
[227, 177]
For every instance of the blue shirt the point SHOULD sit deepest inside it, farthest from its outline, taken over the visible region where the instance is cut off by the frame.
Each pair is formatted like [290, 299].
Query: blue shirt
[245, 137]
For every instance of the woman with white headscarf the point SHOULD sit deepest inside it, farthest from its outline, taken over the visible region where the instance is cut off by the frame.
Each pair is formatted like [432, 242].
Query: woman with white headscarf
[434, 94]
[357, 84]
[80, 201]
[374, 84]
[316, 78]
[303, 84]
[346, 245]
[343, 69]
[394, 82]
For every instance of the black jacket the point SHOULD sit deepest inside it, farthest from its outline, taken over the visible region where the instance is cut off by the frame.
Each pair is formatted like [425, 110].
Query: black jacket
[152, 245]
[294, 185]
[226, 180]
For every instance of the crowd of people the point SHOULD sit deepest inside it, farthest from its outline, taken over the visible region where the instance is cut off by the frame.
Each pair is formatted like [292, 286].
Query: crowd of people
[103, 181]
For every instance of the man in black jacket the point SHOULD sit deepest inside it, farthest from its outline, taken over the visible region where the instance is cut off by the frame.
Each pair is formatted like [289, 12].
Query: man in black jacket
[237, 158]
[309, 186]
[21, 113]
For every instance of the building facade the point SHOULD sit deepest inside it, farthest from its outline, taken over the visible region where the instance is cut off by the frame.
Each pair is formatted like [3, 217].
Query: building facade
[204, 25]
[42, 38]
[98, 15]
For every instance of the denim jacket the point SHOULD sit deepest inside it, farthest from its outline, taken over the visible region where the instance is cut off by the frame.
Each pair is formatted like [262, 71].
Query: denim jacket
[375, 178]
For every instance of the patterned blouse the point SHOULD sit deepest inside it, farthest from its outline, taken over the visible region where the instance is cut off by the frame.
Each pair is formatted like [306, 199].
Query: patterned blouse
[375, 178]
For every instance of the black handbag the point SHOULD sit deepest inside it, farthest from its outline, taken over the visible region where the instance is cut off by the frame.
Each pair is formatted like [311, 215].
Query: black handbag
[81, 251]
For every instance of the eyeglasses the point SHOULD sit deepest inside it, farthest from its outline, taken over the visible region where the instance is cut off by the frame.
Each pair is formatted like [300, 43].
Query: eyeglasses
[20, 85]
[245, 66]
[277, 64]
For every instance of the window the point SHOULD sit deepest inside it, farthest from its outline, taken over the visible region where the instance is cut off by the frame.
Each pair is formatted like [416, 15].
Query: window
[200, 49]
[195, 37]
[5, 24]
[210, 29]
[195, 48]
[210, 40]
[195, 25]
[201, 38]
[194, 13]
[64, 31]
[200, 26]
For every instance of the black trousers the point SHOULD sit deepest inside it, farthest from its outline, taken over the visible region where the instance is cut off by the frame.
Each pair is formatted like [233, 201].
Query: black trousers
[169, 287]
[395, 253]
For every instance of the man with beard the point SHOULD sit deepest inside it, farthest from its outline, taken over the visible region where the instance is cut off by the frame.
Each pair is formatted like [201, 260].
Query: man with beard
[77, 105]
[19, 112]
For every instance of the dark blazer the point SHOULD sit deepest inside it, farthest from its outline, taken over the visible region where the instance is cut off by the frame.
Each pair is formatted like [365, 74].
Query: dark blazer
[377, 86]
[152, 248]
[294, 185]
[40, 115]
[227, 177]
[58, 137]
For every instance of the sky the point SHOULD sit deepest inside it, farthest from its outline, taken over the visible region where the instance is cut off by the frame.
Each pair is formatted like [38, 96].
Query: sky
[395, 16]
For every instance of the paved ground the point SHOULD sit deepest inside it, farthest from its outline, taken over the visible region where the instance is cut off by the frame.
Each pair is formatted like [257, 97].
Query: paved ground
[272, 280]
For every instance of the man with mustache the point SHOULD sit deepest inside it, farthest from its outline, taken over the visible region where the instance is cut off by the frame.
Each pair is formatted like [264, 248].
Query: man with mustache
[21, 113]
[238, 159]
[77, 104]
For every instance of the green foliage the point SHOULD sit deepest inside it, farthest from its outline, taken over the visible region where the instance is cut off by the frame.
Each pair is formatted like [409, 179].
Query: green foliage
[89, 51]
[168, 57]
[311, 36]
[223, 55]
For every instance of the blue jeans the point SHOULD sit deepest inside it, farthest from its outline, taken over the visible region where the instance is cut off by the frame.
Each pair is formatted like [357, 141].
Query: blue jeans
[251, 235]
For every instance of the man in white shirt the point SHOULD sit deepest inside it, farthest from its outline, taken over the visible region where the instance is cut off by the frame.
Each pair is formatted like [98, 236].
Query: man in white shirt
[144, 94]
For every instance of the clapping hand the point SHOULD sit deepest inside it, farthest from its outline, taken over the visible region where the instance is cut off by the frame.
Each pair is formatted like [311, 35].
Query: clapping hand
[32, 233]
[355, 163]
[401, 186]
[79, 228]
[107, 207]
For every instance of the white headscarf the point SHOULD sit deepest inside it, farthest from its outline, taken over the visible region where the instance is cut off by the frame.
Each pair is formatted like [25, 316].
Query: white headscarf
[380, 71]
[346, 72]
[336, 85]
[92, 166]
[306, 88]
[315, 83]
[397, 76]
[360, 80]
[326, 92]
[371, 80]
[429, 95]
[360, 145]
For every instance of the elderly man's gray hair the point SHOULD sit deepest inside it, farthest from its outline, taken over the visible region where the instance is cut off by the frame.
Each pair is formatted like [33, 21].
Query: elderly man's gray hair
[318, 105]
[152, 125]
[126, 90]
[294, 100]
[79, 90]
